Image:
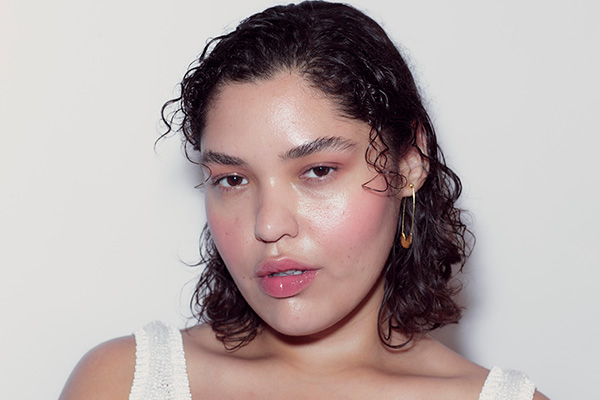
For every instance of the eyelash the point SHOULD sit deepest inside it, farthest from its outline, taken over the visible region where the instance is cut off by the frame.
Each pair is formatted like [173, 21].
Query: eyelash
[220, 180]
[330, 171]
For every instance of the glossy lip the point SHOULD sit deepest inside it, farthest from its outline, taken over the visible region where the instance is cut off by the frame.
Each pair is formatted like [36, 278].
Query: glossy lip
[284, 286]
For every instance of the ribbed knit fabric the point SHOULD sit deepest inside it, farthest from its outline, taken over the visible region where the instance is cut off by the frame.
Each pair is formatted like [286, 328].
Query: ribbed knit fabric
[160, 368]
[507, 385]
[161, 373]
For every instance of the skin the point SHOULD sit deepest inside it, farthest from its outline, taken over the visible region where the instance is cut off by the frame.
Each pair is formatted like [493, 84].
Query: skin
[281, 202]
[278, 191]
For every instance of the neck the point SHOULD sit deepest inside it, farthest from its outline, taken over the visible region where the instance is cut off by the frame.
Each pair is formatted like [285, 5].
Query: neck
[353, 341]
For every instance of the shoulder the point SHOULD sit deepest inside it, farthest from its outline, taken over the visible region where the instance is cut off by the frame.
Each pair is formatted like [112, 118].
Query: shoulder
[464, 379]
[472, 381]
[461, 378]
[464, 376]
[213, 369]
[202, 349]
[201, 338]
[105, 372]
[509, 383]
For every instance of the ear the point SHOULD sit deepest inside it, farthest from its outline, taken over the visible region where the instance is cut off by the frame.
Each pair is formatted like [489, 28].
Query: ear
[414, 165]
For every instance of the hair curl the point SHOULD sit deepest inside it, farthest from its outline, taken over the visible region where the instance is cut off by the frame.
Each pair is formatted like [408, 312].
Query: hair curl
[347, 56]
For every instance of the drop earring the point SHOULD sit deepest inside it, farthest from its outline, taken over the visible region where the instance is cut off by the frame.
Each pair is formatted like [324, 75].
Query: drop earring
[407, 241]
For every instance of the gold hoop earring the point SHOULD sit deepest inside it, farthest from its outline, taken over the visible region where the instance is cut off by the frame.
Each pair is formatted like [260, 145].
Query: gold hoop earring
[407, 241]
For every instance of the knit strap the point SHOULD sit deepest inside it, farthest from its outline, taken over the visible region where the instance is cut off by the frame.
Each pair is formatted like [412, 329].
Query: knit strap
[160, 367]
[507, 385]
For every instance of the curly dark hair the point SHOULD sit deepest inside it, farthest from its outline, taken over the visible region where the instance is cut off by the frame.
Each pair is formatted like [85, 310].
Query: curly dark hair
[348, 57]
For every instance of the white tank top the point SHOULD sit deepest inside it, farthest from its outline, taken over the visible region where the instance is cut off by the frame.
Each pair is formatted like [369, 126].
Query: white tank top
[161, 373]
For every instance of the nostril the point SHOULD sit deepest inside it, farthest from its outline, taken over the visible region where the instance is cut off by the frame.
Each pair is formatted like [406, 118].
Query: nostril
[274, 222]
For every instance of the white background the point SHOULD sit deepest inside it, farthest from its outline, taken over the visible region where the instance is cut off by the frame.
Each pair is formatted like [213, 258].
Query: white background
[94, 221]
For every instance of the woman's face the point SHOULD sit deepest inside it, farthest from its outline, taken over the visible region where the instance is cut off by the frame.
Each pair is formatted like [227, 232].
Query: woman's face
[303, 240]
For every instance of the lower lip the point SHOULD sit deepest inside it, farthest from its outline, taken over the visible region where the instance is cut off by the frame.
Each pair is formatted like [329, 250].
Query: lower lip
[287, 286]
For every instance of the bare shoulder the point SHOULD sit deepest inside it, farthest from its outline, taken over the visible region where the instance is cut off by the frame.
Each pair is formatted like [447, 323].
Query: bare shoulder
[446, 362]
[539, 396]
[202, 349]
[467, 377]
[448, 374]
[201, 339]
[105, 372]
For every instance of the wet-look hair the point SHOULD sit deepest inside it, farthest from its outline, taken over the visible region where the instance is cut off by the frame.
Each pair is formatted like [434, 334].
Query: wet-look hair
[348, 57]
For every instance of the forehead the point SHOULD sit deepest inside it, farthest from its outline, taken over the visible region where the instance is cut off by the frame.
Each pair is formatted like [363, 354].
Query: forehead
[283, 108]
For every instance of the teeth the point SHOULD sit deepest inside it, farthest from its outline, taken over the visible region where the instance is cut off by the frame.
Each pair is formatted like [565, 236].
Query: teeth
[287, 273]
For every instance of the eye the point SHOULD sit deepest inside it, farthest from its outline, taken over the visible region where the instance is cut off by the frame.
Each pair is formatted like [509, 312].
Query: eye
[230, 181]
[320, 171]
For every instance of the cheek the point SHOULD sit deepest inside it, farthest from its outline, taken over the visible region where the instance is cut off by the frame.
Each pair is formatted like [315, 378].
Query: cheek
[352, 220]
[228, 234]
[325, 215]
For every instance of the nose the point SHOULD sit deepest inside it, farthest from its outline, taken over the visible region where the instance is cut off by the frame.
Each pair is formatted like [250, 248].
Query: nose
[275, 216]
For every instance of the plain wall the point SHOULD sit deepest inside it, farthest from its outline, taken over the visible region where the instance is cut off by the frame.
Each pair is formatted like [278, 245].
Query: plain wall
[95, 223]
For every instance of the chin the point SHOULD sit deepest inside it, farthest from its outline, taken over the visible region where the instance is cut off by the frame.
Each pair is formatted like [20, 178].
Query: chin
[302, 325]
[300, 331]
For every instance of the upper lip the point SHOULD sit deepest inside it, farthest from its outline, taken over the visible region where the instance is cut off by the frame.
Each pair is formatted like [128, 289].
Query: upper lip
[273, 266]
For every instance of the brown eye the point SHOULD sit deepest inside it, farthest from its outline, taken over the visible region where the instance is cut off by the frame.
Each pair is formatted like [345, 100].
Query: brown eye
[321, 171]
[231, 181]
[234, 180]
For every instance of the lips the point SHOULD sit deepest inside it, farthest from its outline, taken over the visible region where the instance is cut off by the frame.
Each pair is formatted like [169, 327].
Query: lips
[285, 278]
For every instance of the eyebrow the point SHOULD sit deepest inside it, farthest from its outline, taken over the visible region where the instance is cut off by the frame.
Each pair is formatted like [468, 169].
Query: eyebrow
[214, 157]
[332, 143]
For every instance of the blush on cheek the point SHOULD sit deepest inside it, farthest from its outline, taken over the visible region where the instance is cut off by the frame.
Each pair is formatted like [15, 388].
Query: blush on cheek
[371, 220]
[354, 219]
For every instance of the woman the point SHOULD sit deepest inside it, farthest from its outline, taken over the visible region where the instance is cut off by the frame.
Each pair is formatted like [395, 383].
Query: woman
[331, 229]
